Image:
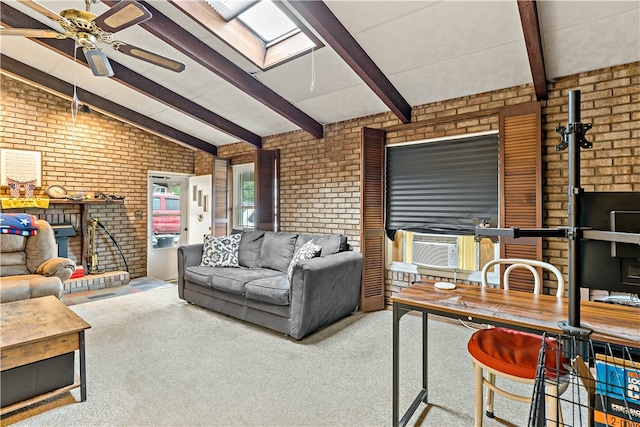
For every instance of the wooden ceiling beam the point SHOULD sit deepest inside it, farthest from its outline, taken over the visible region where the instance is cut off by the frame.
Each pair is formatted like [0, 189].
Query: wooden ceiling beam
[59, 87]
[11, 17]
[531, 28]
[322, 20]
[171, 33]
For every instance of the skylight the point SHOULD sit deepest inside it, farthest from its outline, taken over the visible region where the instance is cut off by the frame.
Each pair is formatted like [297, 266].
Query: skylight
[263, 31]
[262, 17]
[267, 21]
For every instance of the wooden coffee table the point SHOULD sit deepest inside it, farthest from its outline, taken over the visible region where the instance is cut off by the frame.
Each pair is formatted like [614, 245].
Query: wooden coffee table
[35, 330]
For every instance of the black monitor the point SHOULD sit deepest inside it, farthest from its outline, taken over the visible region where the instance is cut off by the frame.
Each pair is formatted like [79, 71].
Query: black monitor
[611, 266]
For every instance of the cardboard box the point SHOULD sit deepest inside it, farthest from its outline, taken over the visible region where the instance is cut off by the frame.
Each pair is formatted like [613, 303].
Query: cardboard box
[618, 408]
[618, 378]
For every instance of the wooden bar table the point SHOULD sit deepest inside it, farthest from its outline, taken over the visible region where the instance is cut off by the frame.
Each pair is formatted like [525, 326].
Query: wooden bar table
[609, 323]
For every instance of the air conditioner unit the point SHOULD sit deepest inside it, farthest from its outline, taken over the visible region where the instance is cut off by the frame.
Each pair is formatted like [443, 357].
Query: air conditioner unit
[434, 250]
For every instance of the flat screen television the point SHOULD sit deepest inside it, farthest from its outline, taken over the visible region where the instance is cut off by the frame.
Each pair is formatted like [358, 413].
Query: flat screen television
[611, 266]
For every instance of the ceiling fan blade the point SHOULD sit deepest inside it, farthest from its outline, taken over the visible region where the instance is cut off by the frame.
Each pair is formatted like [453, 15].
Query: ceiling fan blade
[41, 9]
[150, 57]
[99, 63]
[122, 15]
[32, 32]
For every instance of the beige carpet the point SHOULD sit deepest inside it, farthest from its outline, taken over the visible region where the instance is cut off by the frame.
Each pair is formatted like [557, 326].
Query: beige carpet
[154, 360]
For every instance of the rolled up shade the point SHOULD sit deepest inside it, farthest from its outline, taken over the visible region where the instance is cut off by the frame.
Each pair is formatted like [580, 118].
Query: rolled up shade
[442, 187]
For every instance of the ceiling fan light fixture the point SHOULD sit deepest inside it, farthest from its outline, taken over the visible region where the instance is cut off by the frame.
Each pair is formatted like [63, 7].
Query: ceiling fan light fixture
[99, 63]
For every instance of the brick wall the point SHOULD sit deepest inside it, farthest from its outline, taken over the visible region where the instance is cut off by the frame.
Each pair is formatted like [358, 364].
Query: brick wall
[610, 101]
[105, 155]
[203, 163]
[320, 191]
[320, 177]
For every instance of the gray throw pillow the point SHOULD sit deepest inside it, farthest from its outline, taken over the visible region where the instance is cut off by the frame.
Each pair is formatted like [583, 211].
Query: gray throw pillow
[307, 251]
[220, 251]
[277, 250]
[250, 246]
[331, 243]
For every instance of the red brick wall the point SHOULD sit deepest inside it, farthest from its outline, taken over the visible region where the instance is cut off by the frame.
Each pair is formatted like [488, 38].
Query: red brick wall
[106, 155]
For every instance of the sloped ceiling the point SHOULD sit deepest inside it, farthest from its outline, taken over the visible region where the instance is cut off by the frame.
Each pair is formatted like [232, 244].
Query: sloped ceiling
[378, 56]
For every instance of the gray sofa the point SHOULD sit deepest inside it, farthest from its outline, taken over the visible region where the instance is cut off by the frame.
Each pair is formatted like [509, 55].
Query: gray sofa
[321, 291]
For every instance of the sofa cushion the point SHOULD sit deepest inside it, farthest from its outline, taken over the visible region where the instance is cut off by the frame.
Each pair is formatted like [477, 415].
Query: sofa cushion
[250, 246]
[272, 290]
[331, 243]
[277, 250]
[199, 274]
[221, 251]
[307, 251]
[233, 280]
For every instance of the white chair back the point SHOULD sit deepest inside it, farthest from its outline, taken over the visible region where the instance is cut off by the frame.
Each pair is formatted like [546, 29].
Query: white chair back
[529, 264]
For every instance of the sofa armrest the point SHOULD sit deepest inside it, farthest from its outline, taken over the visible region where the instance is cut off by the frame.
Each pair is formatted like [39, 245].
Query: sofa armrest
[188, 256]
[62, 268]
[323, 290]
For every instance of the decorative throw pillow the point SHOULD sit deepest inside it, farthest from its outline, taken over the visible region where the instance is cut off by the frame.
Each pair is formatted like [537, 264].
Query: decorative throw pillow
[220, 251]
[307, 251]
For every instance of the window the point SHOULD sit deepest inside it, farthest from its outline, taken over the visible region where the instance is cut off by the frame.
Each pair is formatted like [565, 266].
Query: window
[243, 196]
[442, 186]
[268, 22]
[438, 190]
[262, 31]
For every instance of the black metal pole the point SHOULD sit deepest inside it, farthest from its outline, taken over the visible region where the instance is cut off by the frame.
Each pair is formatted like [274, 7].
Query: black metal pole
[573, 207]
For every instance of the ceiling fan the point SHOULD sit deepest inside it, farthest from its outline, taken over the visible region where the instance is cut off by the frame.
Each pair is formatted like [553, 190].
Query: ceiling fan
[89, 31]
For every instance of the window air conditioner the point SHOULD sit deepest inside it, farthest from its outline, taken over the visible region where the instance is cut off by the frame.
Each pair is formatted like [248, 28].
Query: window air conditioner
[434, 250]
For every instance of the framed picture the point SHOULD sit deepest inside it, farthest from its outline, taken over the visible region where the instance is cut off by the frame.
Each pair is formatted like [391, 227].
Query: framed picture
[20, 165]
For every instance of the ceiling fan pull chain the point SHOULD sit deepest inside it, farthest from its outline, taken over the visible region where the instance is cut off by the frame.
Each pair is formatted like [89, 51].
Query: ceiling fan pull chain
[313, 70]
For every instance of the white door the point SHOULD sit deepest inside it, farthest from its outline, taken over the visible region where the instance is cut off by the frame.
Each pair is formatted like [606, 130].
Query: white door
[166, 223]
[199, 208]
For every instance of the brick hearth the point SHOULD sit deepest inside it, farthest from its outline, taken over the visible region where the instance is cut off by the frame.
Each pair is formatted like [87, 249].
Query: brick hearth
[91, 282]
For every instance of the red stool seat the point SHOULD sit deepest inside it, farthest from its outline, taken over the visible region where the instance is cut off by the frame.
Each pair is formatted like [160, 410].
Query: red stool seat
[512, 352]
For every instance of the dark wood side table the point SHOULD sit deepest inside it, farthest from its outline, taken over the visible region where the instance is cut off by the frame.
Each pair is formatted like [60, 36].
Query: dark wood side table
[37, 331]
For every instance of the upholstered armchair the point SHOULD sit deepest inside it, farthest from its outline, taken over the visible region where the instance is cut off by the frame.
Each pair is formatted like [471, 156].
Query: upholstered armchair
[30, 266]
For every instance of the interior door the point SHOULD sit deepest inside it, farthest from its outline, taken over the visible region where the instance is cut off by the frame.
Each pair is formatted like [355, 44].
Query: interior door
[166, 223]
[199, 208]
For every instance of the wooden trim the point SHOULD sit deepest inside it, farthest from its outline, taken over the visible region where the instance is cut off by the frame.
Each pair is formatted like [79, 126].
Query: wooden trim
[531, 29]
[221, 197]
[520, 185]
[321, 19]
[266, 170]
[372, 235]
[185, 42]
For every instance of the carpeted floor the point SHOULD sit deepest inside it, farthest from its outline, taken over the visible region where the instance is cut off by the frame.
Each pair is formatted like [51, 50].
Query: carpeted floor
[139, 284]
[154, 360]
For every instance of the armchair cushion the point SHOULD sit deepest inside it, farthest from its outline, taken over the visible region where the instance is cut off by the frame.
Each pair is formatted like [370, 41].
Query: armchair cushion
[62, 268]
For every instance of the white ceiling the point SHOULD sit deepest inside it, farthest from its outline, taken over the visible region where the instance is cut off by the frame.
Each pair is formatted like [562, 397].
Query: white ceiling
[429, 50]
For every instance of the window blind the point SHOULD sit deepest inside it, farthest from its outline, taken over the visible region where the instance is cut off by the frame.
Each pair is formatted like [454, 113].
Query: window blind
[441, 187]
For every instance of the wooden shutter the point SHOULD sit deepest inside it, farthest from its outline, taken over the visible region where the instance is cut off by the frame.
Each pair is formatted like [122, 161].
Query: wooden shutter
[266, 179]
[372, 239]
[221, 194]
[520, 154]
